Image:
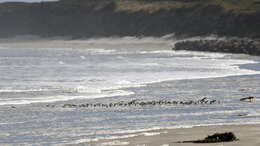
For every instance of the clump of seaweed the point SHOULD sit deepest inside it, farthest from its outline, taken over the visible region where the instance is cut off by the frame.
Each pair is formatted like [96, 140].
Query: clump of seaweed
[215, 138]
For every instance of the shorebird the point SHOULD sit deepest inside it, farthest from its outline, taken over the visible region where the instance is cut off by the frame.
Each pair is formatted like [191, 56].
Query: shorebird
[248, 99]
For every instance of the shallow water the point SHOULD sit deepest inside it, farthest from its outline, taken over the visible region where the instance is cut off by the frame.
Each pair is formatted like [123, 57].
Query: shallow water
[56, 74]
[69, 75]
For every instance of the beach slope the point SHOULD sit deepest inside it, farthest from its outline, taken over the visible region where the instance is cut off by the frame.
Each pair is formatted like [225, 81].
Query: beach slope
[248, 135]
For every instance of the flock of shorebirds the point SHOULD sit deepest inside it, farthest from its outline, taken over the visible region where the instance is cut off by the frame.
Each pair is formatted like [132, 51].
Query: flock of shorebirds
[135, 103]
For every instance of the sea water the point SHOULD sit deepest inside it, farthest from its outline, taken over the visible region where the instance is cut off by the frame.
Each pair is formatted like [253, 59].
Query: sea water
[32, 78]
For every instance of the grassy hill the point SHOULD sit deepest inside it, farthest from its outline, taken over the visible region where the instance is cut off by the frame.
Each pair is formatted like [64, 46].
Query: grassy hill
[99, 18]
[238, 6]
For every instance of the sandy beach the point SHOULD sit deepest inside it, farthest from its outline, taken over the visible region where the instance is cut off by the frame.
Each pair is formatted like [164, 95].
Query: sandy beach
[248, 135]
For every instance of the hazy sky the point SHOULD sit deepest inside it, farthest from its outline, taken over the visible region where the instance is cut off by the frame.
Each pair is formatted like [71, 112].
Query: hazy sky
[24, 0]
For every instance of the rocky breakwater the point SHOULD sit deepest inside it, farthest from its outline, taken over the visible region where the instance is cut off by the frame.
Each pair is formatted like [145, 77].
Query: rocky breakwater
[242, 46]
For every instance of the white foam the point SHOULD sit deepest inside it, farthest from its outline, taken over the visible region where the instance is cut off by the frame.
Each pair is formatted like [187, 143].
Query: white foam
[83, 141]
[109, 77]
[111, 143]
[201, 54]
[185, 53]
[12, 123]
[157, 52]
[24, 90]
[83, 57]
[122, 82]
[86, 140]
[128, 40]
[61, 62]
[122, 136]
[85, 89]
[151, 133]
[100, 51]
[219, 67]
[4, 123]
[24, 100]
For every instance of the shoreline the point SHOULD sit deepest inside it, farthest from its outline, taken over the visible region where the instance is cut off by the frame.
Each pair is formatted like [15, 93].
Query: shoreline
[247, 134]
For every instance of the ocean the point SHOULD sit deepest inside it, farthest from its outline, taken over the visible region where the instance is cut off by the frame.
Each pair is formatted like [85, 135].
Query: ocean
[35, 83]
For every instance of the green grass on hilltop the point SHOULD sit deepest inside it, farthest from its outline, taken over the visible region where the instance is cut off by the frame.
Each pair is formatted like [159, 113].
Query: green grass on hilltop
[239, 6]
[142, 5]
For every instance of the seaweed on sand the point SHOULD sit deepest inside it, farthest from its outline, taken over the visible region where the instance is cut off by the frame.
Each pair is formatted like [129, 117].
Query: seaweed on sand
[215, 138]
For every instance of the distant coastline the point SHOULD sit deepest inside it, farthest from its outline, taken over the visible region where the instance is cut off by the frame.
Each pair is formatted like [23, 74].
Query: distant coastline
[141, 18]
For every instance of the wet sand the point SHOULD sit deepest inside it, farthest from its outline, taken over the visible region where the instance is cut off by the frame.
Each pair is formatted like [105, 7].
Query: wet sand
[248, 135]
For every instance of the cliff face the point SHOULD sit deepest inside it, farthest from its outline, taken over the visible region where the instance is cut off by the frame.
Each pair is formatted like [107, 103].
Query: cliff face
[99, 18]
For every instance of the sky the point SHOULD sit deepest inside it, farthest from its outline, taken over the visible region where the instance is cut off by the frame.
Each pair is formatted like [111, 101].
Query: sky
[24, 0]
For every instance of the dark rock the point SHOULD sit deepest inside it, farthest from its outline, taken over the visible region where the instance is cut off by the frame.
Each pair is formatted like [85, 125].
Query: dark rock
[243, 46]
[215, 138]
[242, 114]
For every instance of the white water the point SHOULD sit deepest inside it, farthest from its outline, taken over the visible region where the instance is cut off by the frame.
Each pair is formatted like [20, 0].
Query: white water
[51, 75]
[56, 74]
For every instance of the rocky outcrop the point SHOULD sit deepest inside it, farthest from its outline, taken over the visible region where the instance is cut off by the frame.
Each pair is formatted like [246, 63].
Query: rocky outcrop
[245, 46]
